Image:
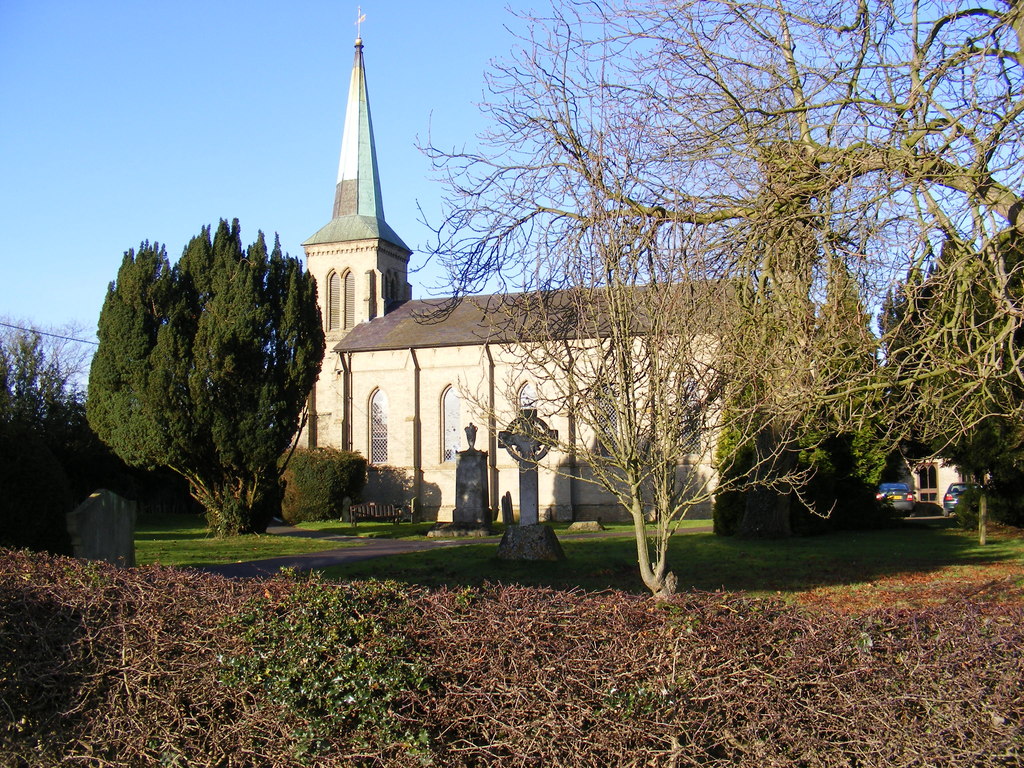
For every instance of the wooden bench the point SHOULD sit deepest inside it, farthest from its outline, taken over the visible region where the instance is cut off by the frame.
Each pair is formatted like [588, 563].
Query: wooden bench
[377, 513]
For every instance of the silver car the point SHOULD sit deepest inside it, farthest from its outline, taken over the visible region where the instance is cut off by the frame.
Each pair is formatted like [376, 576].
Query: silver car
[897, 495]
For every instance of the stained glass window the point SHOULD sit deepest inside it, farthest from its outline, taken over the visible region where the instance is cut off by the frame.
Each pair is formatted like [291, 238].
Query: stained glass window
[451, 406]
[527, 396]
[379, 428]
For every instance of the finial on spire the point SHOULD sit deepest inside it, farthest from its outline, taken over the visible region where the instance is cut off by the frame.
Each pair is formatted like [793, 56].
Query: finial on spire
[360, 18]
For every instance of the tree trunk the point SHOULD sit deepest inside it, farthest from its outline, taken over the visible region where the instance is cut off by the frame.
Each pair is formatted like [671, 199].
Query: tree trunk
[656, 577]
[983, 519]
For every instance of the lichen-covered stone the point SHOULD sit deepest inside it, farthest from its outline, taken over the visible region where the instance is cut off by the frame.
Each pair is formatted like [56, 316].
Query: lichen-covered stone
[530, 542]
[586, 526]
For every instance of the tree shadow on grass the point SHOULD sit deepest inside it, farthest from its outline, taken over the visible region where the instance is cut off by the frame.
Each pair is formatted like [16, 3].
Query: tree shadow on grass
[171, 535]
[703, 562]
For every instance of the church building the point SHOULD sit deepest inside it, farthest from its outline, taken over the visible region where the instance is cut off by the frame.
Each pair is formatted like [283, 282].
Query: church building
[401, 380]
[399, 383]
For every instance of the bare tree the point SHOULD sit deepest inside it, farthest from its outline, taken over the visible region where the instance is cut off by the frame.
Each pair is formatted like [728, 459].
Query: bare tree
[642, 398]
[773, 147]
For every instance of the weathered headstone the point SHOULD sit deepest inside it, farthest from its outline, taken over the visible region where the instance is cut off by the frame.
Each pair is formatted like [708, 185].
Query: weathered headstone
[471, 516]
[471, 484]
[528, 440]
[506, 509]
[103, 528]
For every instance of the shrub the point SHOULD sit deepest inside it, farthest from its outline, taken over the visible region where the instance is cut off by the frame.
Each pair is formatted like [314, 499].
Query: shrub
[1001, 508]
[317, 481]
[35, 497]
[336, 657]
[731, 503]
[102, 666]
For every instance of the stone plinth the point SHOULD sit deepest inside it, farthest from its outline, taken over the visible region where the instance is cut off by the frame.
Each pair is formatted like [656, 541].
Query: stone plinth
[530, 542]
[459, 531]
[103, 528]
[586, 525]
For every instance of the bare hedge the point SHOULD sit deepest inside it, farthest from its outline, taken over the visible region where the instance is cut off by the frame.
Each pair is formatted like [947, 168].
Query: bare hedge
[106, 667]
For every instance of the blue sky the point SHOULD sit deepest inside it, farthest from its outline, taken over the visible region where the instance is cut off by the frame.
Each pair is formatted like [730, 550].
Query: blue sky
[129, 120]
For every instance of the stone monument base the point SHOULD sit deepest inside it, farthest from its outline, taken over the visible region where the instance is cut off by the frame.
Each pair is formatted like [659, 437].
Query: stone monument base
[530, 542]
[586, 525]
[459, 530]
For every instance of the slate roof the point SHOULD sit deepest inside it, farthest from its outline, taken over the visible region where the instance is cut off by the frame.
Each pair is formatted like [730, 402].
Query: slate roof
[435, 323]
[345, 229]
[508, 318]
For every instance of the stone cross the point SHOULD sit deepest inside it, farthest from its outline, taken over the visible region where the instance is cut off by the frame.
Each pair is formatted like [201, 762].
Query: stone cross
[527, 440]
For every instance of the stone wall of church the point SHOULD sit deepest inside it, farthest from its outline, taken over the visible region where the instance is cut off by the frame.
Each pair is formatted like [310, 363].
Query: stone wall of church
[409, 459]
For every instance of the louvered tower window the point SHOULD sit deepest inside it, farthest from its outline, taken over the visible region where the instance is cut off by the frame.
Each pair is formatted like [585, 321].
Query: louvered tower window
[379, 428]
[350, 300]
[333, 302]
[451, 407]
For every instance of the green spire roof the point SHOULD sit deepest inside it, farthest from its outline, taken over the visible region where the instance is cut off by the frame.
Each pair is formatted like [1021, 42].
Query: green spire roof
[358, 205]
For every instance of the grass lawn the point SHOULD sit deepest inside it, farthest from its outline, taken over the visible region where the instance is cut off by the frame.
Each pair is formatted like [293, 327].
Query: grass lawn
[919, 562]
[412, 531]
[853, 567]
[171, 539]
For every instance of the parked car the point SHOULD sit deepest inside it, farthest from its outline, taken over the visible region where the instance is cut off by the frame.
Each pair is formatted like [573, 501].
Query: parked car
[897, 495]
[952, 497]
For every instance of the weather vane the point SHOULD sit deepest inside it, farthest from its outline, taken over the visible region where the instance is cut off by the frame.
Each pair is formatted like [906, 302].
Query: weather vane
[360, 18]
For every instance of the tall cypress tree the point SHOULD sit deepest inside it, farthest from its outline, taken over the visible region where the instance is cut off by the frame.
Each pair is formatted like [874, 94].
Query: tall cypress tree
[205, 367]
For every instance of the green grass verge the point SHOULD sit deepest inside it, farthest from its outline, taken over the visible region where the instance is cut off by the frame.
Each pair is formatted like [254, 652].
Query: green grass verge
[414, 531]
[171, 539]
[703, 561]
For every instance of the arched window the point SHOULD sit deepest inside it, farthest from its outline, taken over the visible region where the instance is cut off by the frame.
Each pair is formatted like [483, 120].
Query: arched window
[333, 301]
[378, 427]
[349, 282]
[451, 422]
[527, 396]
[692, 414]
[927, 483]
[606, 421]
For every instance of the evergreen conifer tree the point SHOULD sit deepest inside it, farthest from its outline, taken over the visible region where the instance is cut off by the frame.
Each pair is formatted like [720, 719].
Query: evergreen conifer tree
[204, 368]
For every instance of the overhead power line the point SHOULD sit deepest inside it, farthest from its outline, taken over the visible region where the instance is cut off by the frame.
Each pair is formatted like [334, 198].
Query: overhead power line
[47, 333]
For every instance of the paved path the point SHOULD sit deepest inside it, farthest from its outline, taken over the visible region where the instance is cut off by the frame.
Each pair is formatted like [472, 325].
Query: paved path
[353, 549]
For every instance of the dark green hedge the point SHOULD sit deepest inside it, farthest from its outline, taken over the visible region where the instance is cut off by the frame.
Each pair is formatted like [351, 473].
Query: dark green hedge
[318, 480]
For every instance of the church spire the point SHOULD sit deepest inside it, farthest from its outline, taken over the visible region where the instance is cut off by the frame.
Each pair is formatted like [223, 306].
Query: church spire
[358, 204]
[358, 190]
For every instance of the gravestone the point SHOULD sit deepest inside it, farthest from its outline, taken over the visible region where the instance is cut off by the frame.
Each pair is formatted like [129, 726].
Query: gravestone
[506, 509]
[471, 516]
[528, 440]
[103, 528]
